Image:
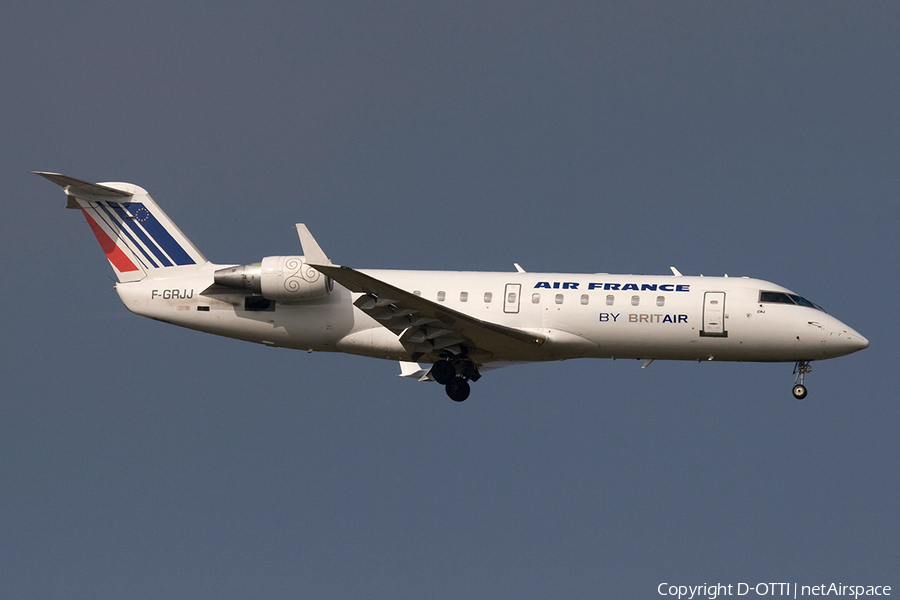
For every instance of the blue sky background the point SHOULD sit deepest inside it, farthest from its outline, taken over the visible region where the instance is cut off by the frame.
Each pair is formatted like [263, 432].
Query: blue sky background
[138, 460]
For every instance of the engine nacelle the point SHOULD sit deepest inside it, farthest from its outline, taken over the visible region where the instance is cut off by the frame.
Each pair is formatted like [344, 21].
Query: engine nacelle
[283, 278]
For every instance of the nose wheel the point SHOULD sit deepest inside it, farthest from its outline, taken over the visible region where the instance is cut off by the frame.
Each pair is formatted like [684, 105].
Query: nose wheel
[801, 368]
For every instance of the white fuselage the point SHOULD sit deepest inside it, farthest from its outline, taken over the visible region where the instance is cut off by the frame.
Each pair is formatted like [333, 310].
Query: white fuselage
[581, 315]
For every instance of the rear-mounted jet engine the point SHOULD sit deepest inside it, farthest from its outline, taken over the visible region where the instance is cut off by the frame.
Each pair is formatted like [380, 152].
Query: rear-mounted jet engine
[281, 278]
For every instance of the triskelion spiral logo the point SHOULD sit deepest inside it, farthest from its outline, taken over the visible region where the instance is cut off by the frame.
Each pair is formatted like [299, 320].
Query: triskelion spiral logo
[299, 272]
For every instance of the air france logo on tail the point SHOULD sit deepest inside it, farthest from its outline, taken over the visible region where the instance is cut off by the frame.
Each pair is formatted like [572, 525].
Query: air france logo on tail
[132, 238]
[141, 231]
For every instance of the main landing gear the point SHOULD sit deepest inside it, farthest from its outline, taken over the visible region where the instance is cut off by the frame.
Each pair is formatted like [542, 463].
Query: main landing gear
[801, 368]
[454, 376]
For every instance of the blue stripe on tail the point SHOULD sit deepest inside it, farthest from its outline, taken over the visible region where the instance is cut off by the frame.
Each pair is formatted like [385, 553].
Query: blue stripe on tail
[160, 238]
[132, 243]
[128, 225]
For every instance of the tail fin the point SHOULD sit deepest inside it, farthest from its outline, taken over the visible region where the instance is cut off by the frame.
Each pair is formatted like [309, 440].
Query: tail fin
[135, 234]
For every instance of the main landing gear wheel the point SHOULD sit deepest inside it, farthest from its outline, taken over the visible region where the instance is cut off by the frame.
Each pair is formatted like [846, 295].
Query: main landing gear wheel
[443, 371]
[801, 369]
[458, 389]
[454, 373]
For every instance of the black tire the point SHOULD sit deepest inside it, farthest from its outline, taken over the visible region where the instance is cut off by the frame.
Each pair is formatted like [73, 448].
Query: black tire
[458, 389]
[442, 372]
[799, 391]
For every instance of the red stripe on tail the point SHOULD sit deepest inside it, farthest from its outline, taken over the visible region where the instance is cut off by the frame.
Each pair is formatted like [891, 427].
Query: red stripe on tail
[115, 255]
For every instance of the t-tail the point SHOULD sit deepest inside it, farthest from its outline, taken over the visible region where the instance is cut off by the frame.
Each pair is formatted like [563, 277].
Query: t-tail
[134, 233]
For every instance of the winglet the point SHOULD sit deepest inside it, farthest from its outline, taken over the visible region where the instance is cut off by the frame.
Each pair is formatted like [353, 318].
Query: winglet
[518, 268]
[311, 250]
[675, 272]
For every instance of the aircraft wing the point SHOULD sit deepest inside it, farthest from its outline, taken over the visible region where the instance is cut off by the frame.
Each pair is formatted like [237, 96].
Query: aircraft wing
[426, 328]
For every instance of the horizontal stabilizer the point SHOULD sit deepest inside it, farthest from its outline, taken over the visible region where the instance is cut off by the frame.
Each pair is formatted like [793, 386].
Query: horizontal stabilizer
[95, 189]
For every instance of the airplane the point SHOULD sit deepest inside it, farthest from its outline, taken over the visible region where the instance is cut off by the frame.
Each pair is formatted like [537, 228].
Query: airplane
[447, 326]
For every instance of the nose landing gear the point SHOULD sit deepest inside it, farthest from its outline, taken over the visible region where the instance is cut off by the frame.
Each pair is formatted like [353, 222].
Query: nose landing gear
[801, 368]
[455, 376]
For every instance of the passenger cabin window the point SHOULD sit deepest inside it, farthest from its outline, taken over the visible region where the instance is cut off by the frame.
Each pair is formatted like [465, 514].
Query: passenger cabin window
[635, 300]
[660, 300]
[535, 298]
[417, 292]
[559, 298]
[488, 297]
[585, 299]
[441, 296]
[464, 296]
[610, 300]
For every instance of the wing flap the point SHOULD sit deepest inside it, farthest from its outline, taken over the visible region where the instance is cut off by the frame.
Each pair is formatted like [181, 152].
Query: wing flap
[425, 327]
[415, 370]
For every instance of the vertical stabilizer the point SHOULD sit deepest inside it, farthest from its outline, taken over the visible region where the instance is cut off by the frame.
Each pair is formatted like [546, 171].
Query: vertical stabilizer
[134, 233]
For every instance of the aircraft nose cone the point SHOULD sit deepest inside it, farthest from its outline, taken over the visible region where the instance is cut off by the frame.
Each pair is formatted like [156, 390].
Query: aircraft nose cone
[852, 340]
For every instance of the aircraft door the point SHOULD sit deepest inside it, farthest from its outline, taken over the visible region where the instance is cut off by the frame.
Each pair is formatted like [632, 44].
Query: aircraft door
[714, 315]
[511, 297]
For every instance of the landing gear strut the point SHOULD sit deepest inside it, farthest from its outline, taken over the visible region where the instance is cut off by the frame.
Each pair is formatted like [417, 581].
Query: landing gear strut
[454, 375]
[801, 368]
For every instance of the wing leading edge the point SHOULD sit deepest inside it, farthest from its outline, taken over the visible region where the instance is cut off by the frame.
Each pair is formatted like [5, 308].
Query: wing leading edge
[426, 328]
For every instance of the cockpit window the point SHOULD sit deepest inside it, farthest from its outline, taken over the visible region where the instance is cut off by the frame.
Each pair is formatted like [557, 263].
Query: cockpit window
[775, 297]
[804, 302]
[783, 298]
